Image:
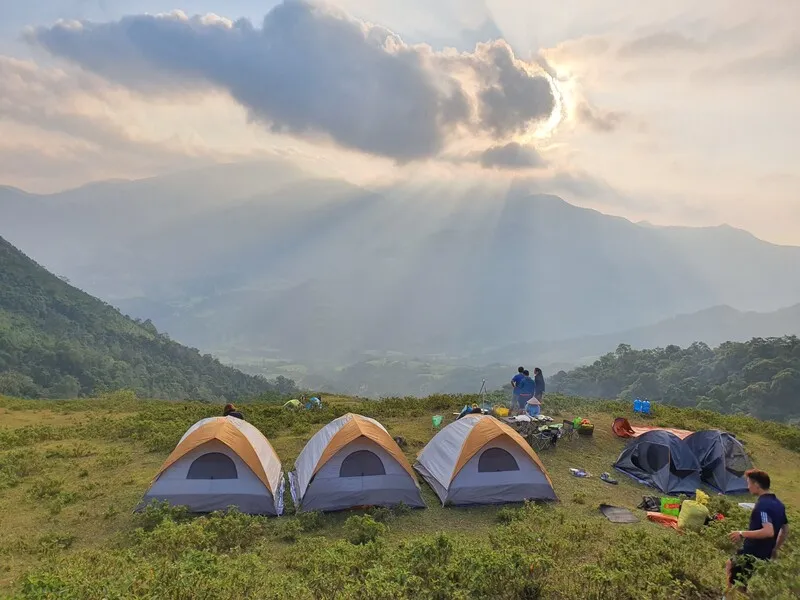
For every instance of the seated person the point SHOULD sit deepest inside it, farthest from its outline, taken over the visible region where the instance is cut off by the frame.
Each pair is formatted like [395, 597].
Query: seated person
[230, 411]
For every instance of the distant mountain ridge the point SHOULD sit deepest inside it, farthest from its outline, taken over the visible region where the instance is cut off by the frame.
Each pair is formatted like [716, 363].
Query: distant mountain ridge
[760, 377]
[57, 341]
[712, 326]
[397, 375]
[265, 261]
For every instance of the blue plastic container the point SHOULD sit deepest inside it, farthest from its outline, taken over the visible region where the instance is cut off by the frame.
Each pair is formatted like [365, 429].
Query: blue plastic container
[646, 407]
[637, 405]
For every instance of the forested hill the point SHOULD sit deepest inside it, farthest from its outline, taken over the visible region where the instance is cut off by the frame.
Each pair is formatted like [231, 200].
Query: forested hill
[57, 341]
[760, 377]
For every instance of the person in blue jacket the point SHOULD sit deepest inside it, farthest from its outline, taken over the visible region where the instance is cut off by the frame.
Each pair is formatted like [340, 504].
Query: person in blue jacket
[515, 381]
[526, 389]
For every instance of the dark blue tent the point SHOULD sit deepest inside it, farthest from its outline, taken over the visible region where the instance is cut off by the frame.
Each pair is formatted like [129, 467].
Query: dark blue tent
[722, 459]
[662, 460]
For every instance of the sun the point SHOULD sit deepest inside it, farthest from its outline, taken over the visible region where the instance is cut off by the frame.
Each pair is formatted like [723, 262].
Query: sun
[546, 128]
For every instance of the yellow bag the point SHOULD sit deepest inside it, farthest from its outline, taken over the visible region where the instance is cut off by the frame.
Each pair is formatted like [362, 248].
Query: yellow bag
[693, 515]
[701, 497]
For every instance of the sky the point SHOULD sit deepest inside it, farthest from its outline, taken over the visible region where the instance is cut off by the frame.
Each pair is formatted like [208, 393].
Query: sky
[679, 113]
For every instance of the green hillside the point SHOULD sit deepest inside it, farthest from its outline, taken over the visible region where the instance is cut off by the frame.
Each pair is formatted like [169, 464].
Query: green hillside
[57, 341]
[759, 378]
[72, 471]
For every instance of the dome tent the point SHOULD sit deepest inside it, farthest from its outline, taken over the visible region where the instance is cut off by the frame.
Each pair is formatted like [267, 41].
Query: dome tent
[479, 460]
[662, 460]
[723, 460]
[221, 462]
[352, 461]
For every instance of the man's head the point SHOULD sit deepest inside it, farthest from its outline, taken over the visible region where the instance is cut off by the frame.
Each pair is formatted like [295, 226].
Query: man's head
[757, 481]
[537, 371]
[526, 372]
[521, 370]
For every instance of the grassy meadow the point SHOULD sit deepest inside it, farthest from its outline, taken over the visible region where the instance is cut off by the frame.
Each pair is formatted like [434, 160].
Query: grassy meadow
[72, 471]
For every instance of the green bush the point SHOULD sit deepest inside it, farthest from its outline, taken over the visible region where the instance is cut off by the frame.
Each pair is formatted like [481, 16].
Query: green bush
[45, 488]
[381, 514]
[288, 529]
[363, 529]
[16, 465]
[155, 513]
[310, 521]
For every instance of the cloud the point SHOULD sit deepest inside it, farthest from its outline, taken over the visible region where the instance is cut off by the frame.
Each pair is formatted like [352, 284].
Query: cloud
[59, 128]
[659, 43]
[313, 71]
[511, 156]
[783, 62]
[603, 121]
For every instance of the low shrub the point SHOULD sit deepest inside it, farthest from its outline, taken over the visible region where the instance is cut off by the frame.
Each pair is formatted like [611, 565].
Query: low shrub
[310, 521]
[363, 529]
[288, 529]
[155, 513]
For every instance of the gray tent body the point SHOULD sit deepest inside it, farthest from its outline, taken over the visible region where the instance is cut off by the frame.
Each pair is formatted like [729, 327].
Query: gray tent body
[499, 472]
[722, 459]
[213, 477]
[361, 473]
[661, 460]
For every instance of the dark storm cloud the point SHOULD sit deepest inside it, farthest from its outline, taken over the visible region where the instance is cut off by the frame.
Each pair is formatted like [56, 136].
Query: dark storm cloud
[313, 70]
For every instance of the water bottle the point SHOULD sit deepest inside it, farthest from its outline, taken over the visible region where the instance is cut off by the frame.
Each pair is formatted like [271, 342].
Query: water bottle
[637, 405]
[646, 407]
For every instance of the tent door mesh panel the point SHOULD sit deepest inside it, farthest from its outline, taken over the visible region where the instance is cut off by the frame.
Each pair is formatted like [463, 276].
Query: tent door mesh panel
[495, 460]
[650, 457]
[736, 461]
[362, 463]
[213, 465]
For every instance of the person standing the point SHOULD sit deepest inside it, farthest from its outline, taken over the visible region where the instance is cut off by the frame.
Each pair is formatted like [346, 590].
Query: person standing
[538, 379]
[767, 532]
[515, 382]
[526, 388]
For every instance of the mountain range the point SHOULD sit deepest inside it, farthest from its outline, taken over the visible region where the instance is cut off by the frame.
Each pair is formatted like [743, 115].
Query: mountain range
[264, 261]
[57, 341]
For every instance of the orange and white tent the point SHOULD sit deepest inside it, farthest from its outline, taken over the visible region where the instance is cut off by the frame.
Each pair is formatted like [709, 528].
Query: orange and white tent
[480, 460]
[219, 463]
[352, 461]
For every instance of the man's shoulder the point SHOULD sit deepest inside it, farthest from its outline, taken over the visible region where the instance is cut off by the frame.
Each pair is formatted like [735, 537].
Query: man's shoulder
[770, 502]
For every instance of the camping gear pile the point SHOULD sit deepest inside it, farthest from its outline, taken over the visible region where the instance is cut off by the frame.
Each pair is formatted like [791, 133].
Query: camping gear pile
[540, 431]
[663, 460]
[583, 426]
[312, 403]
[353, 461]
[688, 515]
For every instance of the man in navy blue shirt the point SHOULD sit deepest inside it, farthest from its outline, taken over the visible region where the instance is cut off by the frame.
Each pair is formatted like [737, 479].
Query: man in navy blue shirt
[515, 382]
[766, 534]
